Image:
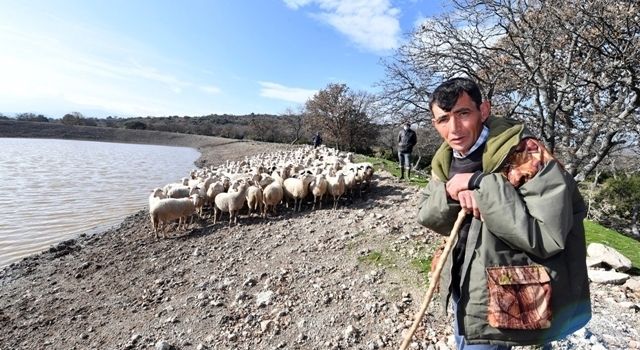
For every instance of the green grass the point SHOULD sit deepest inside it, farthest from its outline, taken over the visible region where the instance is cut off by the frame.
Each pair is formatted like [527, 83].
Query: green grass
[393, 168]
[423, 265]
[627, 246]
[376, 258]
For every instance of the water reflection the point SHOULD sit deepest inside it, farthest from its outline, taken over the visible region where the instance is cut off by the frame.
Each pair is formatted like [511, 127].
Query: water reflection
[53, 190]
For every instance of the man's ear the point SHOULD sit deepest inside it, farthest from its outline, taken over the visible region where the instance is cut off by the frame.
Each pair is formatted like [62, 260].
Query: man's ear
[485, 110]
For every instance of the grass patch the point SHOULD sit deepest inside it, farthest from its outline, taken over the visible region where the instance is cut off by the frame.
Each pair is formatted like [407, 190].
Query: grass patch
[376, 258]
[393, 168]
[627, 246]
[423, 265]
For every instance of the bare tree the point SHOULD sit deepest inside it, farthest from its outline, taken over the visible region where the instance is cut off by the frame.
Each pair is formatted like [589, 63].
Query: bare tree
[343, 116]
[295, 121]
[261, 129]
[570, 69]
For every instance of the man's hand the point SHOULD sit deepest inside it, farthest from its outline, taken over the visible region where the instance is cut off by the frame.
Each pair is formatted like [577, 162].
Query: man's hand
[459, 182]
[458, 189]
[468, 203]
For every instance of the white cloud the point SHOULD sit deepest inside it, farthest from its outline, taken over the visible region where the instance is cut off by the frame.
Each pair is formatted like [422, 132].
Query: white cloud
[210, 89]
[371, 24]
[281, 92]
[98, 70]
[296, 4]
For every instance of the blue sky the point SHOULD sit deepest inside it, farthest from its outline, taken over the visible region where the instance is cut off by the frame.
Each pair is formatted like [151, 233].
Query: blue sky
[159, 57]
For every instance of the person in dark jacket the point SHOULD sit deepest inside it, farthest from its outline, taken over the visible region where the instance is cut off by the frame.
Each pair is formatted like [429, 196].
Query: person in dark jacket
[317, 140]
[517, 274]
[406, 140]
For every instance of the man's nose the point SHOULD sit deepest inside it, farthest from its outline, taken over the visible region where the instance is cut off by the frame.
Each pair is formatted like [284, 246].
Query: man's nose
[454, 123]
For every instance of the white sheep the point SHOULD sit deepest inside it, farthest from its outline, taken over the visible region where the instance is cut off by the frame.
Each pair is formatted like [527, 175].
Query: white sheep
[350, 180]
[254, 199]
[336, 187]
[166, 210]
[318, 188]
[181, 191]
[215, 189]
[230, 202]
[271, 196]
[156, 194]
[297, 188]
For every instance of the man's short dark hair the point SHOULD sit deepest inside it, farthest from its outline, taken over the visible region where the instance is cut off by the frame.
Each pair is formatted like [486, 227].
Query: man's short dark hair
[447, 93]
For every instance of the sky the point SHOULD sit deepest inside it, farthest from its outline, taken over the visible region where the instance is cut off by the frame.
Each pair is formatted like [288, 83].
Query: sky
[131, 58]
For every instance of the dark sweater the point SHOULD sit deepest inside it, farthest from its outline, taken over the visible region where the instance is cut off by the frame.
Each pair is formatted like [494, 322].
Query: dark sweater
[470, 164]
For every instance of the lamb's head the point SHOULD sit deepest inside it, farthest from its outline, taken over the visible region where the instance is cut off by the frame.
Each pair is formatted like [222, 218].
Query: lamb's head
[157, 193]
[526, 161]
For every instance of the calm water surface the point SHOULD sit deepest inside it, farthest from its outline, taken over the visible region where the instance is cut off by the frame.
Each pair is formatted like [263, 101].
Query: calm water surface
[53, 190]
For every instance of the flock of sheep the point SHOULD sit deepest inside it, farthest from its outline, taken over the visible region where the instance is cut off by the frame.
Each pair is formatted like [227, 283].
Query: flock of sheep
[260, 184]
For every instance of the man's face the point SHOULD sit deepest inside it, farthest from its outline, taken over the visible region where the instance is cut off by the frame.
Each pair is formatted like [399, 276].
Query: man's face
[461, 127]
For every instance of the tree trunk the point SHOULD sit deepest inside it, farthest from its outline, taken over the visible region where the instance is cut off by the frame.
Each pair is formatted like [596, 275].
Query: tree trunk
[634, 221]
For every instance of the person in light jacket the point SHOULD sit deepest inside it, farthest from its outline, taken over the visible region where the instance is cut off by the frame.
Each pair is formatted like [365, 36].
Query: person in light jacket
[517, 274]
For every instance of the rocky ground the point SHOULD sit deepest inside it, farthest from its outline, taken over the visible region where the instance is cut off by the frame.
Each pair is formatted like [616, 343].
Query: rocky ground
[325, 279]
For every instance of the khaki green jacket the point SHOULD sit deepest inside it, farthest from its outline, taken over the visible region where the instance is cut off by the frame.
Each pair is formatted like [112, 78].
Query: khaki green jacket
[538, 224]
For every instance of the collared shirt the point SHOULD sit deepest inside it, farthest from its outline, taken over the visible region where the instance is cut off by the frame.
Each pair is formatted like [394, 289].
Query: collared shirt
[484, 135]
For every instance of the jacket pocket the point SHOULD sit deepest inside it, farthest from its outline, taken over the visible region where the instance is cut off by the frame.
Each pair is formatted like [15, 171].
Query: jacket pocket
[519, 297]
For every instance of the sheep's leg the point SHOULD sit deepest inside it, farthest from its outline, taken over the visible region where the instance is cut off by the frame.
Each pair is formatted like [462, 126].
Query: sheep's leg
[215, 214]
[320, 201]
[163, 231]
[154, 229]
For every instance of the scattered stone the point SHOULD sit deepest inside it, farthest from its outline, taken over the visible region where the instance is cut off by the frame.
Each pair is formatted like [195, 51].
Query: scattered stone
[264, 298]
[601, 254]
[163, 345]
[264, 325]
[607, 277]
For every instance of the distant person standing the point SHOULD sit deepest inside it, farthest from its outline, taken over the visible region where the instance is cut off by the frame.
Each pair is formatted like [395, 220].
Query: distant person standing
[406, 140]
[317, 140]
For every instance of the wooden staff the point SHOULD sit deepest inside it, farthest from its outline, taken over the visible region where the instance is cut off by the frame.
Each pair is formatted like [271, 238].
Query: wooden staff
[434, 278]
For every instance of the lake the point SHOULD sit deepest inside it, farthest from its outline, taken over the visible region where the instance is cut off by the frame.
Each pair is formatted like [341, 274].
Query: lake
[54, 190]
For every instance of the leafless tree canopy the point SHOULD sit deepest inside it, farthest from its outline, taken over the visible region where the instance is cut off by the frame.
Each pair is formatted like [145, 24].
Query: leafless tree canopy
[570, 69]
[343, 117]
